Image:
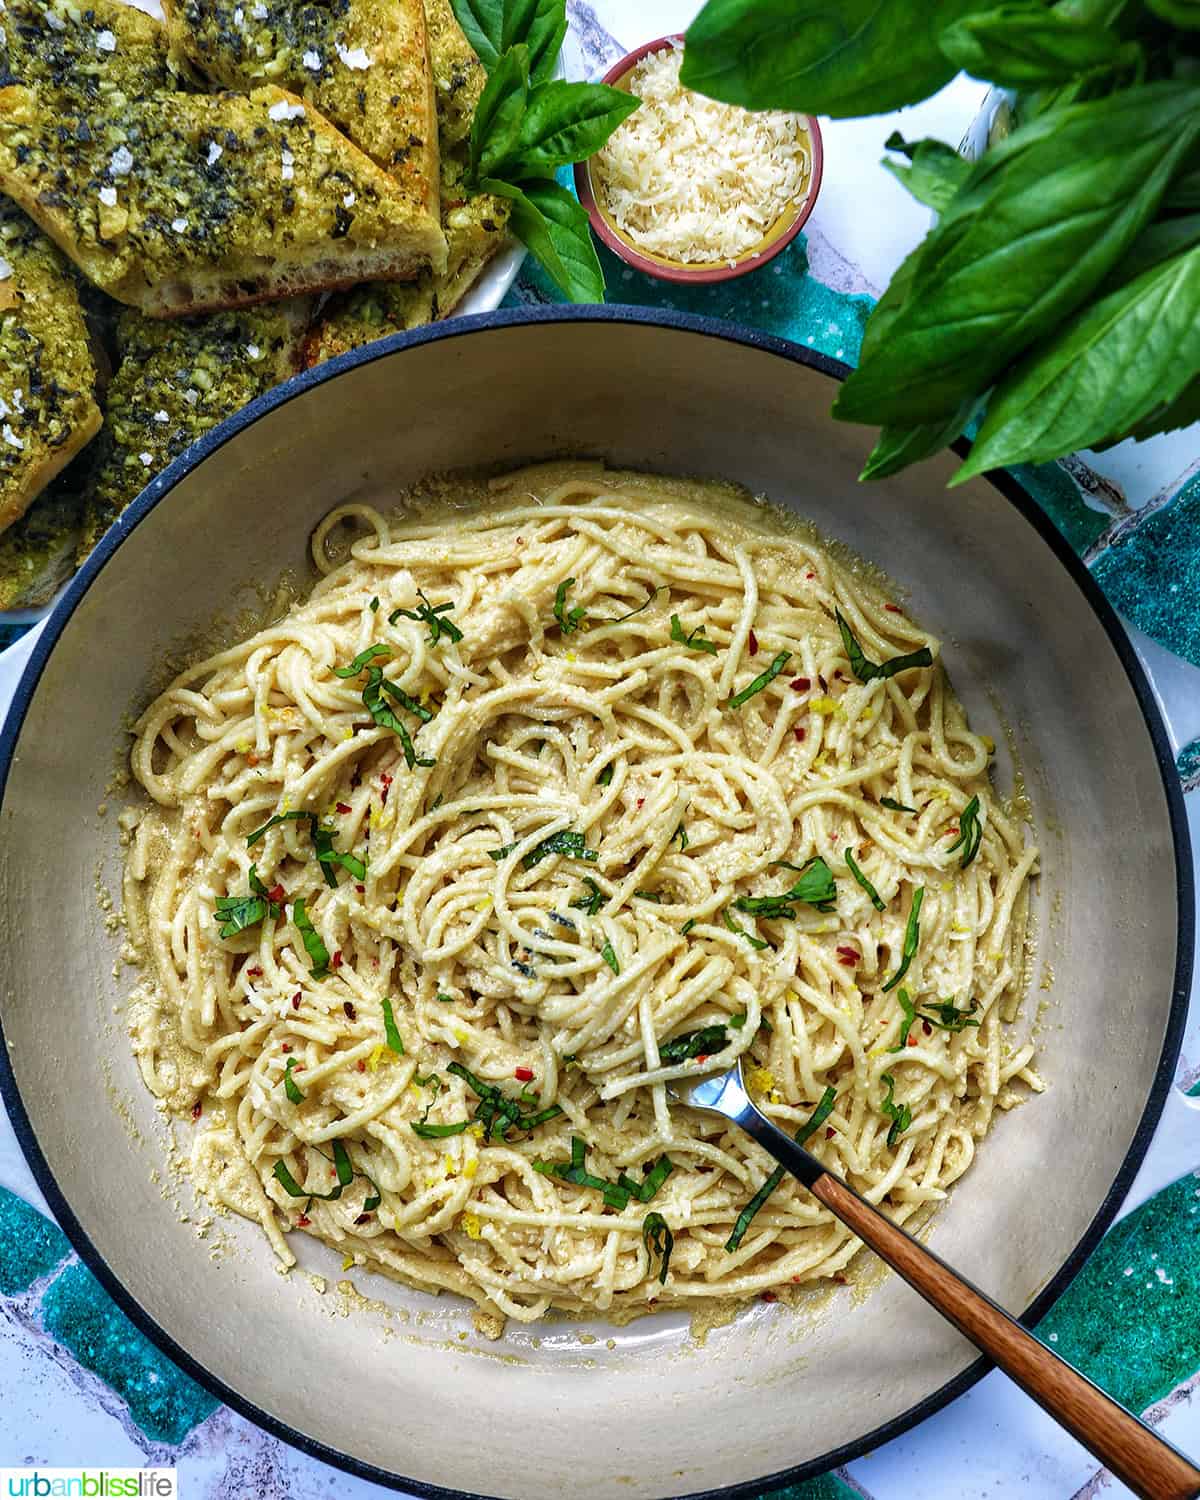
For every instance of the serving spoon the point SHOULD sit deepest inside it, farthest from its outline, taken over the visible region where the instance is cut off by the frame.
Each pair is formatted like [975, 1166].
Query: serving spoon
[1150, 1467]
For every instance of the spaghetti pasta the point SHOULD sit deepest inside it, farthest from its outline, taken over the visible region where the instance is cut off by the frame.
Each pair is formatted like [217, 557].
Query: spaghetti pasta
[529, 809]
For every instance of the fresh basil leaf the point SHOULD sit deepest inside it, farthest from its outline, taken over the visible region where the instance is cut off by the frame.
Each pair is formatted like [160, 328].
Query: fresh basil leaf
[687, 927]
[756, 943]
[374, 605]
[1105, 371]
[843, 58]
[970, 833]
[313, 946]
[286, 817]
[543, 33]
[897, 447]
[948, 1016]
[680, 834]
[390, 1030]
[605, 777]
[405, 701]
[909, 1013]
[499, 111]
[363, 659]
[761, 681]
[694, 641]
[562, 123]
[434, 616]
[385, 718]
[592, 901]
[568, 619]
[492, 26]
[645, 1190]
[890, 802]
[293, 1188]
[1037, 226]
[236, 913]
[1168, 417]
[866, 670]
[567, 843]
[912, 937]
[1160, 241]
[659, 1241]
[654, 896]
[816, 887]
[1023, 46]
[877, 900]
[813, 1123]
[290, 1087]
[935, 171]
[700, 1043]
[1185, 13]
[482, 22]
[552, 224]
[899, 1114]
[609, 955]
[438, 1132]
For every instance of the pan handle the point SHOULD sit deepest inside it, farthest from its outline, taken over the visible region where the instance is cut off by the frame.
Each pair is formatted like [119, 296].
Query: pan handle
[1125, 1445]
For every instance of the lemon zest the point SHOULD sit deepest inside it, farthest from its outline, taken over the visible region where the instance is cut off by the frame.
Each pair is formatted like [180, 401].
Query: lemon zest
[470, 1223]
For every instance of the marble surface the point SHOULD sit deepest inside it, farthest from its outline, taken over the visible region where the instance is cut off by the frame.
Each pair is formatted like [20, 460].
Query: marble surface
[80, 1385]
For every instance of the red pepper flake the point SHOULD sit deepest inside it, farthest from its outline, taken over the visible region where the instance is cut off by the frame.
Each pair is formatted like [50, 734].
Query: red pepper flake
[840, 1279]
[196, 1108]
[770, 1297]
[838, 677]
[912, 1041]
[362, 1066]
[895, 608]
[351, 1013]
[701, 1057]
[952, 831]
[385, 781]
[797, 1279]
[344, 807]
[830, 1132]
[640, 801]
[360, 889]
[801, 684]
[296, 1000]
[524, 1074]
[277, 894]
[254, 973]
[848, 956]
[286, 1047]
[336, 960]
[810, 575]
[363, 1219]
[752, 644]
[800, 732]
[303, 1222]
[928, 1028]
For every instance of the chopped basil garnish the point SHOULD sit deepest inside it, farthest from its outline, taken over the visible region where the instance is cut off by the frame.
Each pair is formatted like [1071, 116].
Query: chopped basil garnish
[363, 660]
[434, 615]
[815, 887]
[814, 1122]
[385, 718]
[899, 1114]
[867, 671]
[290, 1087]
[570, 845]
[909, 1011]
[695, 641]
[496, 1111]
[346, 1174]
[322, 838]
[877, 900]
[894, 806]
[912, 936]
[445, 999]
[947, 1015]
[568, 619]
[313, 946]
[436, 1132]
[236, 913]
[286, 817]
[374, 604]
[970, 834]
[605, 777]
[687, 927]
[608, 954]
[655, 896]
[700, 1043]
[764, 679]
[659, 1241]
[591, 902]
[680, 834]
[755, 942]
[390, 1031]
[616, 1195]
[645, 604]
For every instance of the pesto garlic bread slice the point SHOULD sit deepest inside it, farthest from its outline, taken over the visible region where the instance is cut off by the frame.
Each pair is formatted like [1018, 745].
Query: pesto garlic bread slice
[48, 410]
[37, 553]
[174, 381]
[364, 64]
[177, 202]
[458, 76]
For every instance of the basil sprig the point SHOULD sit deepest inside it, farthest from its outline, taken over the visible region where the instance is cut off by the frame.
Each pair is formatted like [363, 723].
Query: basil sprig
[527, 125]
[816, 887]
[391, 1031]
[568, 619]
[746, 1217]
[943, 1013]
[616, 1194]
[236, 913]
[592, 899]
[868, 671]
[1079, 342]
[658, 1239]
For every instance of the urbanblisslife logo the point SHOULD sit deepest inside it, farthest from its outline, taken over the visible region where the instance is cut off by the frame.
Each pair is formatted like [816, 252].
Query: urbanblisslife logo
[90, 1484]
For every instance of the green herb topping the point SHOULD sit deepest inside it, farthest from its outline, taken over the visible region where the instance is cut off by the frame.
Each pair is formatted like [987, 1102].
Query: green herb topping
[894, 806]
[390, 1030]
[970, 834]
[659, 1241]
[867, 671]
[616, 1195]
[605, 777]
[912, 936]
[363, 660]
[346, 1174]
[756, 943]
[433, 615]
[745, 1218]
[568, 619]
[816, 887]
[877, 900]
[290, 1087]
[313, 946]
[700, 1043]
[947, 1015]
[687, 927]
[592, 901]
[496, 1111]
[695, 641]
[680, 834]
[608, 954]
[899, 1114]
[322, 838]
[438, 1132]
[236, 913]
[761, 681]
[909, 1011]
[569, 845]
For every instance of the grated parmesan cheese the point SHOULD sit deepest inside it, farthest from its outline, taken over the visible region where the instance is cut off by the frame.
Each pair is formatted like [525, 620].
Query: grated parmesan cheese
[693, 180]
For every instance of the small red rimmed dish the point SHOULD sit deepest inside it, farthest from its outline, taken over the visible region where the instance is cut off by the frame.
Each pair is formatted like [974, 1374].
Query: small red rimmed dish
[777, 238]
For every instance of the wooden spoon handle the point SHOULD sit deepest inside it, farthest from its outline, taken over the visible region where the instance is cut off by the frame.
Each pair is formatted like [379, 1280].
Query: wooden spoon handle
[1126, 1446]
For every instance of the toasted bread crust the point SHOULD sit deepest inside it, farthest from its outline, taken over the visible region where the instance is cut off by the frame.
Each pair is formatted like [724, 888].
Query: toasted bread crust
[48, 410]
[364, 64]
[174, 382]
[176, 202]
